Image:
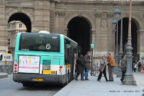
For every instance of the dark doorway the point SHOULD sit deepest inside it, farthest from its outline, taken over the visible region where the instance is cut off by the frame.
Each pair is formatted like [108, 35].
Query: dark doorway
[79, 29]
[23, 18]
[125, 35]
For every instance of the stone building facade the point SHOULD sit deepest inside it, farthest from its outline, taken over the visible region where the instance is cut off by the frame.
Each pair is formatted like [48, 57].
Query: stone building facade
[63, 16]
[14, 27]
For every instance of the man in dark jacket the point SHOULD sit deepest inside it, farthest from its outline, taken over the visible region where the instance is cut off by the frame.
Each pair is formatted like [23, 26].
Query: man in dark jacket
[123, 67]
[80, 67]
[139, 65]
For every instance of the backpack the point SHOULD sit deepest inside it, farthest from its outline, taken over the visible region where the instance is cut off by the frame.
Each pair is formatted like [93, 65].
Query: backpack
[139, 64]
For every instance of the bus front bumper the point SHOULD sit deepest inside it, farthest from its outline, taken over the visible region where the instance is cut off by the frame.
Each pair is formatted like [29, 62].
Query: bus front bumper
[19, 77]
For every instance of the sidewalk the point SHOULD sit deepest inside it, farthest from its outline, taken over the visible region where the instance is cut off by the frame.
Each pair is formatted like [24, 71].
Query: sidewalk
[3, 75]
[139, 77]
[102, 88]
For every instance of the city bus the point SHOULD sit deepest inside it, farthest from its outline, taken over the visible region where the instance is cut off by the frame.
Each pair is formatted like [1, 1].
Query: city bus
[44, 58]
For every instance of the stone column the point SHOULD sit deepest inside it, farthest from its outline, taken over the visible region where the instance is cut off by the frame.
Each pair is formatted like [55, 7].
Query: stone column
[102, 34]
[140, 44]
[93, 40]
[3, 27]
[41, 15]
[52, 17]
[59, 22]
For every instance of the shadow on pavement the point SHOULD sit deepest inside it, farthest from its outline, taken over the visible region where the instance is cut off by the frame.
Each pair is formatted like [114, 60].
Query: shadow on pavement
[53, 87]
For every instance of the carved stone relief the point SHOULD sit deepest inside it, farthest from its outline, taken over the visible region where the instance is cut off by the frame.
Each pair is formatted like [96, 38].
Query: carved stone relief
[104, 22]
[60, 13]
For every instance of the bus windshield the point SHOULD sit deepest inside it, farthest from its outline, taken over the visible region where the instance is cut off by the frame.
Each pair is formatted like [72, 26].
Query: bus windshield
[39, 42]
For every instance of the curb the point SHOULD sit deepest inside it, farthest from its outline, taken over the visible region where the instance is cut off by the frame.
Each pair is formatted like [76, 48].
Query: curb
[3, 75]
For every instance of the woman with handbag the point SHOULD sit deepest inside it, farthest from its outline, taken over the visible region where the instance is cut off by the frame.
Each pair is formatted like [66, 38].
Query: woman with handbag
[102, 69]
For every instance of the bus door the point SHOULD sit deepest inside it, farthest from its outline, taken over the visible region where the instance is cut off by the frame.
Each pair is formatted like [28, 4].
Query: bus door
[68, 57]
[71, 60]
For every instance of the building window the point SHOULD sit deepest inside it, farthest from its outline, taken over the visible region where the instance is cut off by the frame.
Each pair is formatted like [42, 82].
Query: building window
[20, 25]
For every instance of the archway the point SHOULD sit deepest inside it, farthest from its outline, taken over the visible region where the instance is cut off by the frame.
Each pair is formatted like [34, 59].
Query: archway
[79, 29]
[18, 22]
[125, 35]
[23, 18]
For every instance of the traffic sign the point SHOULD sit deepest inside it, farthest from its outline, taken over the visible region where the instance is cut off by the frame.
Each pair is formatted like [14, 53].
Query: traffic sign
[92, 45]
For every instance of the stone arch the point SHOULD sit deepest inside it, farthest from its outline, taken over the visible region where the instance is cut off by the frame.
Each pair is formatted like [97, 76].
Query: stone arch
[135, 35]
[23, 18]
[70, 16]
[79, 29]
[10, 12]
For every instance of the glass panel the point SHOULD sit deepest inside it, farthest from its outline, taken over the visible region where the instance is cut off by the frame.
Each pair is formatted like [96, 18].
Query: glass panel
[40, 42]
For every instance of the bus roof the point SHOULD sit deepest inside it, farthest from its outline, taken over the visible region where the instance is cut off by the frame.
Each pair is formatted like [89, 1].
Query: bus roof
[69, 39]
[55, 34]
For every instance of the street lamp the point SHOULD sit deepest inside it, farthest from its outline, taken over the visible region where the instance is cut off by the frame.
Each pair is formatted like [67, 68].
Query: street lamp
[115, 21]
[117, 16]
[121, 35]
[129, 79]
[121, 45]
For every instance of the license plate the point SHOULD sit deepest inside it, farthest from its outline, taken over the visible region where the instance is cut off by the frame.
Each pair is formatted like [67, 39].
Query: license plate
[49, 72]
[38, 79]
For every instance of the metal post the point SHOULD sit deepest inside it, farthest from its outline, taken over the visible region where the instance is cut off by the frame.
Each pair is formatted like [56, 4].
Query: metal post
[117, 55]
[115, 40]
[121, 39]
[92, 63]
[115, 30]
[121, 45]
[129, 79]
[117, 14]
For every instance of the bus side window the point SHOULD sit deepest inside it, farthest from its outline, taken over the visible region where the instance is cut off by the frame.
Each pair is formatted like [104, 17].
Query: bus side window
[66, 53]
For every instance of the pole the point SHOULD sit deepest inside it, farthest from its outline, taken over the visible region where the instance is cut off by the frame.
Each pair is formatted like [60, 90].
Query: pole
[117, 57]
[121, 41]
[129, 29]
[115, 39]
[129, 79]
[92, 63]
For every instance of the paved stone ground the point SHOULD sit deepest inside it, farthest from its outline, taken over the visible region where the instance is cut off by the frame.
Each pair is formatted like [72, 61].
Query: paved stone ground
[3, 75]
[10, 88]
[139, 77]
[102, 88]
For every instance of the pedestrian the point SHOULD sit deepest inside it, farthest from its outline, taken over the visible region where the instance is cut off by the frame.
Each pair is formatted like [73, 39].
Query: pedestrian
[139, 65]
[135, 66]
[80, 67]
[111, 64]
[102, 69]
[87, 64]
[123, 67]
